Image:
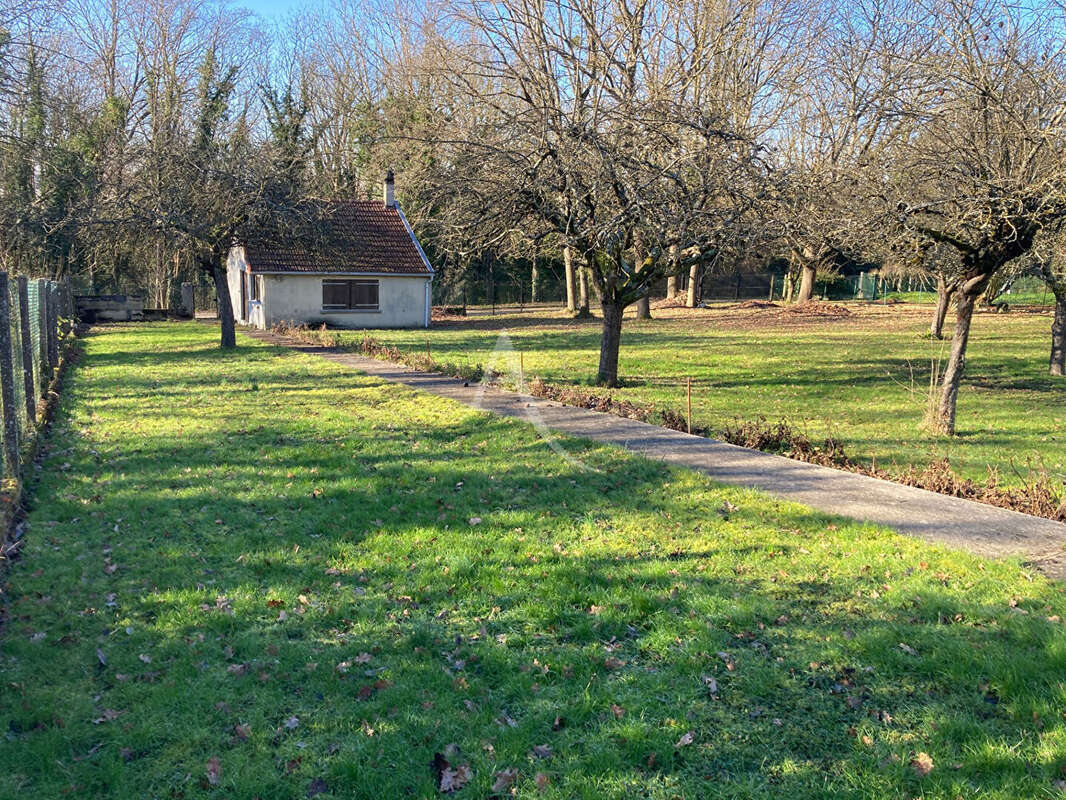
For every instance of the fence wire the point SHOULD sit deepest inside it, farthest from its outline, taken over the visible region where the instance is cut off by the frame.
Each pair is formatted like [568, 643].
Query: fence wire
[28, 362]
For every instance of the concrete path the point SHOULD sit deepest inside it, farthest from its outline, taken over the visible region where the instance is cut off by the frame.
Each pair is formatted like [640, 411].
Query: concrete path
[982, 529]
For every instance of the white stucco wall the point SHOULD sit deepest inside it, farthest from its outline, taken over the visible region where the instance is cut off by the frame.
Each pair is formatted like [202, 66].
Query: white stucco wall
[402, 302]
[235, 265]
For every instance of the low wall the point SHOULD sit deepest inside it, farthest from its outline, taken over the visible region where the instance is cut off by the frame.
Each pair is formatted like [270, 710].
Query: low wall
[109, 307]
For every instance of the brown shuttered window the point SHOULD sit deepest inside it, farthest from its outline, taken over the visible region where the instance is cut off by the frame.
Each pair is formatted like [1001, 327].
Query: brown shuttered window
[360, 295]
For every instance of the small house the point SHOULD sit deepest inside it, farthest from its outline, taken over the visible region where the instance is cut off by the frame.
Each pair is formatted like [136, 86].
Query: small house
[370, 273]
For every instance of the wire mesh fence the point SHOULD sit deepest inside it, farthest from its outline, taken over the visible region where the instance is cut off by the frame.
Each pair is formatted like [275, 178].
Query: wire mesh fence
[36, 320]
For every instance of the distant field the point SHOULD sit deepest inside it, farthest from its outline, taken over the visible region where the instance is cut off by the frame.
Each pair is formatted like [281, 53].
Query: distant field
[1029, 297]
[862, 378]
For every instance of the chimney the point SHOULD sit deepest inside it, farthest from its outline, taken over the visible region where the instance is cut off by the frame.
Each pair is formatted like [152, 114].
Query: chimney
[390, 190]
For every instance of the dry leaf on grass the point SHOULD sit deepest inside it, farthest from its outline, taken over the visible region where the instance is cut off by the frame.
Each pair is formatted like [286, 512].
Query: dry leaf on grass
[505, 778]
[214, 770]
[922, 764]
[454, 779]
[686, 739]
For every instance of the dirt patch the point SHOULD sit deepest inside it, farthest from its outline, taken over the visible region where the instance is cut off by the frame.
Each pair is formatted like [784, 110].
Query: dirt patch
[815, 308]
[441, 313]
[677, 302]
[756, 304]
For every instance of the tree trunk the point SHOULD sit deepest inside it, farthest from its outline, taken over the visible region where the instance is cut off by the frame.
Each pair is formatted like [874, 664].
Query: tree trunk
[533, 281]
[644, 303]
[695, 274]
[949, 387]
[568, 264]
[671, 279]
[808, 272]
[1058, 337]
[609, 342]
[944, 291]
[583, 292]
[225, 307]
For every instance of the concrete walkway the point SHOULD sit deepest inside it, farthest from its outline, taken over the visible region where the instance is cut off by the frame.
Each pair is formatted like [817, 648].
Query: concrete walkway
[982, 529]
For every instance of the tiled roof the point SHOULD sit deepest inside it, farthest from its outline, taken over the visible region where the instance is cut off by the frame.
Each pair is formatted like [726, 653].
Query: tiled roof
[364, 236]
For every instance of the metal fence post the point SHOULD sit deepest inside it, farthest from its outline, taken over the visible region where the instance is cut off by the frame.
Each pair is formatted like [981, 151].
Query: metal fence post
[53, 325]
[7, 381]
[27, 349]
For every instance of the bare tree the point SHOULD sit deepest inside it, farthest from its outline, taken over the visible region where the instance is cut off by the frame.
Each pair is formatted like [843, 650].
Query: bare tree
[1048, 260]
[839, 133]
[624, 129]
[984, 164]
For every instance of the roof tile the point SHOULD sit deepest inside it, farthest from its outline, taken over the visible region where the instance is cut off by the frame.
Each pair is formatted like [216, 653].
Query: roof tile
[364, 236]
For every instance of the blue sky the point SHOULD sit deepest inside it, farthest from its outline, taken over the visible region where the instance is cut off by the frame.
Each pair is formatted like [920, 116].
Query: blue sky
[271, 9]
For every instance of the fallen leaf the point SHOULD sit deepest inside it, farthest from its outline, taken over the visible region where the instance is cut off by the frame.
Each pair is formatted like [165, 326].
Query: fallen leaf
[505, 778]
[317, 787]
[107, 715]
[214, 770]
[906, 648]
[711, 684]
[730, 664]
[686, 739]
[454, 779]
[475, 520]
[542, 751]
[147, 659]
[242, 732]
[922, 764]
[362, 658]
[542, 781]
[291, 722]
[101, 657]
[613, 663]
[618, 711]
[92, 751]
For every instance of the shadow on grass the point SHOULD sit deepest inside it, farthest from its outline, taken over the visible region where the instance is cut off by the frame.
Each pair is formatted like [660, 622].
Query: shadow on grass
[397, 574]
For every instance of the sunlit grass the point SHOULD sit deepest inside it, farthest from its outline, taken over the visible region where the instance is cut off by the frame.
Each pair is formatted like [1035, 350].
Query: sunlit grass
[253, 538]
[863, 380]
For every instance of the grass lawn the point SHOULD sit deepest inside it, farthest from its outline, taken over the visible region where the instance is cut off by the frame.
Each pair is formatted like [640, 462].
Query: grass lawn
[257, 574]
[863, 379]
